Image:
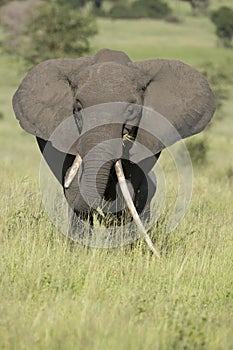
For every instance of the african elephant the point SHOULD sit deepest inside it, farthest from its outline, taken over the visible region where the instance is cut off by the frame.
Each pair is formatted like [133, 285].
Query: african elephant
[104, 97]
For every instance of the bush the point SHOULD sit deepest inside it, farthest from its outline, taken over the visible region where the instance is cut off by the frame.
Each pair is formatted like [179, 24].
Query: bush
[36, 30]
[223, 20]
[150, 9]
[71, 3]
[229, 173]
[198, 149]
[220, 79]
[173, 19]
[140, 9]
[119, 10]
[58, 31]
[198, 6]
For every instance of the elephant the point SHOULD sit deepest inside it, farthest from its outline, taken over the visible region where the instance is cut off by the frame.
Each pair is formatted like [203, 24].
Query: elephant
[89, 113]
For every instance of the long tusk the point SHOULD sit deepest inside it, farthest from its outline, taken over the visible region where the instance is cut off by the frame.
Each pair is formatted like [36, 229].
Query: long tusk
[130, 204]
[73, 171]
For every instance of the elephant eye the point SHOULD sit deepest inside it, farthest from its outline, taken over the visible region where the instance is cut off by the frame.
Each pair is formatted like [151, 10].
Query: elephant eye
[130, 108]
[133, 112]
[144, 88]
[78, 106]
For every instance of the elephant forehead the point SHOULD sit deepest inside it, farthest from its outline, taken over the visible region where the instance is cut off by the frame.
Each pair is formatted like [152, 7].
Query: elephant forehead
[108, 82]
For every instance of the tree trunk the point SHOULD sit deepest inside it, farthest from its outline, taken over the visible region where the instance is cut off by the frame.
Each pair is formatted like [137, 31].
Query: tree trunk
[98, 4]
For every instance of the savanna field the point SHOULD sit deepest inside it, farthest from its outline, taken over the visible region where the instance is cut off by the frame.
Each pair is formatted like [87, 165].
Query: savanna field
[60, 295]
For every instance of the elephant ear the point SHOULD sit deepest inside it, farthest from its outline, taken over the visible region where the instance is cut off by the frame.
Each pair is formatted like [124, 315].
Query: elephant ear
[181, 95]
[44, 99]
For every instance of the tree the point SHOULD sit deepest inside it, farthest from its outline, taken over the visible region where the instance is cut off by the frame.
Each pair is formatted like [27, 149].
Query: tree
[79, 3]
[98, 3]
[223, 20]
[198, 5]
[58, 31]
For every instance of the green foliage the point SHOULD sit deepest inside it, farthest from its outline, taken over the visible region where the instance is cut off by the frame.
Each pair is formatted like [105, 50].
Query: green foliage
[140, 9]
[198, 150]
[38, 31]
[229, 173]
[150, 9]
[70, 3]
[120, 10]
[223, 20]
[3, 2]
[78, 3]
[97, 3]
[173, 19]
[220, 79]
[198, 6]
[1, 115]
[58, 31]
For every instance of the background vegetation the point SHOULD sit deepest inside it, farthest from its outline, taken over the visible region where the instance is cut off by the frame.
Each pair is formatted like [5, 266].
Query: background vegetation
[223, 19]
[57, 295]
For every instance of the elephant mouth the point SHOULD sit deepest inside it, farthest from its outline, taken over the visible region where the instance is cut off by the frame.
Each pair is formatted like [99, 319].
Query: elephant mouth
[125, 192]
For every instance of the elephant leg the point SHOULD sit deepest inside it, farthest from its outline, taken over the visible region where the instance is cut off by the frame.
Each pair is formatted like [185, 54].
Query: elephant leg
[144, 195]
[58, 161]
[146, 187]
[78, 230]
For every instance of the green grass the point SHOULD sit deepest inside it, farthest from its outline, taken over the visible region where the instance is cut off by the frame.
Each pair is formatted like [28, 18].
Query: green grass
[58, 295]
[192, 41]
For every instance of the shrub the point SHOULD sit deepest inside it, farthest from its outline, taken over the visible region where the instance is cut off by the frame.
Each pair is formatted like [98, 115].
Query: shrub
[140, 9]
[36, 30]
[229, 173]
[71, 3]
[120, 10]
[198, 6]
[223, 20]
[198, 149]
[58, 31]
[173, 19]
[219, 78]
[150, 9]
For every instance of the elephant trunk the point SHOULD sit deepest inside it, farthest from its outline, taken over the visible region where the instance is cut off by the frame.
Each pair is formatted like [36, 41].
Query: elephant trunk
[93, 183]
[85, 188]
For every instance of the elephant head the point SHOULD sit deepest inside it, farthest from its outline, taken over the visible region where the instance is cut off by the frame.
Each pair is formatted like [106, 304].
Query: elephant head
[90, 109]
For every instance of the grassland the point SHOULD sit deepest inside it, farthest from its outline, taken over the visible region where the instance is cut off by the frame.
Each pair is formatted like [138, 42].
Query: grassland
[57, 295]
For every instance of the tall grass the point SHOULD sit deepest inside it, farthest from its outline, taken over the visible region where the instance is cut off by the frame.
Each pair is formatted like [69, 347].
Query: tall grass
[58, 295]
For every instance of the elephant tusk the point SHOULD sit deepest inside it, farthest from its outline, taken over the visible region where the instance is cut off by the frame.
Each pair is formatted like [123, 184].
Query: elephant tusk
[73, 171]
[130, 204]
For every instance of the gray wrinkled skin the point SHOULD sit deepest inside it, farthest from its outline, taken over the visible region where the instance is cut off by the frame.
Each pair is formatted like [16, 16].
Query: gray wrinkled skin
[103, 94]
